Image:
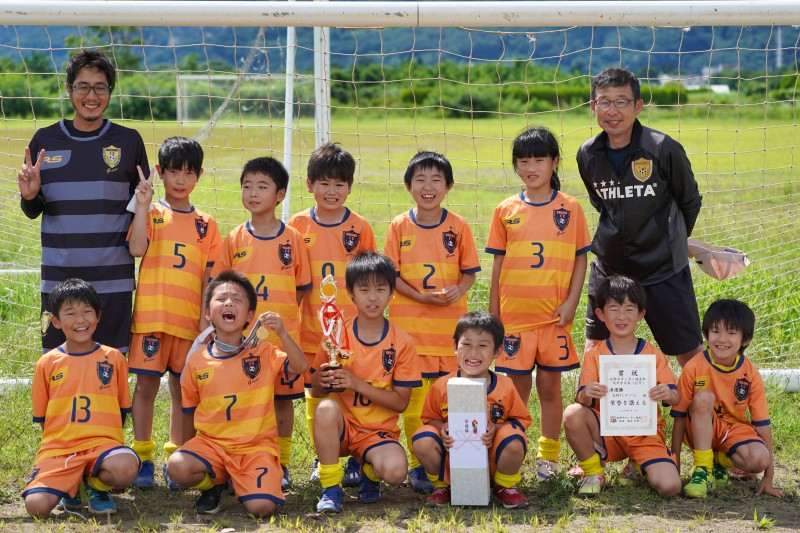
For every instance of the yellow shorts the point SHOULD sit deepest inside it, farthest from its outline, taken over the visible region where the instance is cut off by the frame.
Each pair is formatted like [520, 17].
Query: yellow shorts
[726, 437]
[152, 354]
[358, 442]
[255, 476]
[548, 347]
[435, 366]
[62, 475]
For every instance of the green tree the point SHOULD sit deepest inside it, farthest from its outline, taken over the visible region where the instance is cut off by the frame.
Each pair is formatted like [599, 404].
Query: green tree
[119, 42]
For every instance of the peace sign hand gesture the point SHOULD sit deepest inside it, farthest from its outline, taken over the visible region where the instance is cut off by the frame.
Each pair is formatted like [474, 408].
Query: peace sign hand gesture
[29, 178]
[144, 190]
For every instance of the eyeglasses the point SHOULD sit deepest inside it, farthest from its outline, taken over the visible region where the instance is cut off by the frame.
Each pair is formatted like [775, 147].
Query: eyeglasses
[84, 89]
[619, 103]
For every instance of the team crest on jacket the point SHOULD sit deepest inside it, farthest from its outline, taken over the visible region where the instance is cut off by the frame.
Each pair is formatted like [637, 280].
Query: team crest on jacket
[251, 366]
[561, 218]
[389, 359]
[201, 226]
[285, 253]
[496, 412]
[450, 241]
[112, 156]
[105, 371]
[150, 345]
[642, 169]
[511, 345]
[741, 389]
[350, 240]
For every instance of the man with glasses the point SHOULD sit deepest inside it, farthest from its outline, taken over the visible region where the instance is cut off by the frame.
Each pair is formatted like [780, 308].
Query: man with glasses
[642, 184]
[81, 182]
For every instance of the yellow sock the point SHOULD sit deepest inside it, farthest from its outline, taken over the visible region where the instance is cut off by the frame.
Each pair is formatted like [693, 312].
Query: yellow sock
[169, 449]
[331, 475]
[206, 484]
[144, 449]
[724, 460]
[412, 418]
[592, 466]
[311, 406]
[506, 481]
[370, 472]
[435, 481]
[703, 459]
[285, 444]
[549, 449]
[96, 484]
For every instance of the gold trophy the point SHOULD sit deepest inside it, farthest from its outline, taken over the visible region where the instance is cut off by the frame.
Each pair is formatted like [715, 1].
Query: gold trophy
[335, 340]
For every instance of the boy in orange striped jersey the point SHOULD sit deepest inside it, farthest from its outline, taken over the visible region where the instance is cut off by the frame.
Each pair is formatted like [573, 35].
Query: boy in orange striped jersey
[375, 384]
[80, 397]
[228, 386]
[274, 258]
[178, 245]
[333, 235]
[436, 261]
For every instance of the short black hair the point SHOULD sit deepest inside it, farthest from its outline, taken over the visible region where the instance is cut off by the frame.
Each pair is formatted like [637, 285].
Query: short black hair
[73, 290]
[425, 160]
[480, 321]
[269, 166]
[330, 161]
[370, 267]
[618, 288]
[177, 153]
[733, 314]
[616, 77]
[232, 276]
[91, 59]
[537, 141]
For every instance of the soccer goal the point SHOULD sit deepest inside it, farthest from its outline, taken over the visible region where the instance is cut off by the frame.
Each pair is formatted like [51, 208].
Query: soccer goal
[461, 78]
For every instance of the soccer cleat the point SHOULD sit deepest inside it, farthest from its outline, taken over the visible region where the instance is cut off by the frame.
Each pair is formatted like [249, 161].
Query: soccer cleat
[738, 473]
[70, 504]
[419, 481]
[630, 474]
[591, 485]
[510, 497]
[170, 484]
[440, 496]
[286, 480]
[98, 501]
[368, 491]
[145, 479]
[315, 471]
[699, 485]
[208, 501]
[331, 501]
[352, 473]
[720, 474]
[576, 471]
[545, 469]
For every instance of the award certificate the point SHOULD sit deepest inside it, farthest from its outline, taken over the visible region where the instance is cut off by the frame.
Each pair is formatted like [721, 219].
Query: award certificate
[626, 409]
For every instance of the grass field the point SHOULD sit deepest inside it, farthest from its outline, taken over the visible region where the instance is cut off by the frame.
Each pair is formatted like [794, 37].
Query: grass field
[746, 172]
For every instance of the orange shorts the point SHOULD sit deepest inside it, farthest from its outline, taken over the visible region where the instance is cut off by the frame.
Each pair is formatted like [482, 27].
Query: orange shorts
[255, 475]
[548, 347]
[357, 441]
[643, 450]
[435, 366]
[154, 353]
[289, 386]
[307, 374]
[726, 437]
[505, 434]
[62, 475]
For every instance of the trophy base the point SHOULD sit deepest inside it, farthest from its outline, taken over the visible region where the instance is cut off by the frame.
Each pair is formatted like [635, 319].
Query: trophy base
[334, 366]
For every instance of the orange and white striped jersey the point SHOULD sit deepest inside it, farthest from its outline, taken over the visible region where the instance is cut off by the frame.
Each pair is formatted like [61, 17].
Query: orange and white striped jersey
[277, 267]
[80, 398]
[590, 370]
[330, 247]
[430, 258]
[182, 244]
[736, 390]
[232, 396]
[391, 362]
[540, 243]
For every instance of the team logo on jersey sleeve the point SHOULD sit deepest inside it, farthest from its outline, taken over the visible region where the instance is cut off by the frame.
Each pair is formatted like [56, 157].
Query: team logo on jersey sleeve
[112, 156]
[251, 366]
[285, 253]
[741, 389]
[642, 169]
[496, 412]
[450, 241]
[350, 239]
[201, 226]
[389, 359]
[561, 218]
[511, 345]
[150, 345]
[105, 371]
